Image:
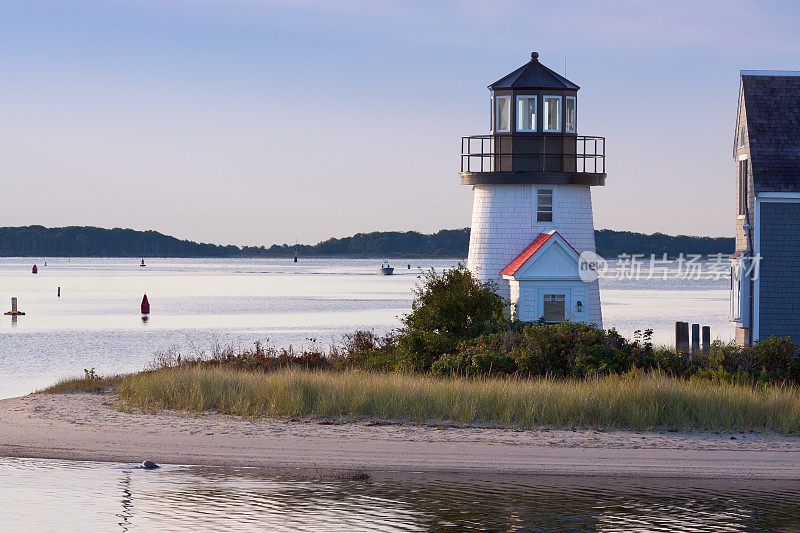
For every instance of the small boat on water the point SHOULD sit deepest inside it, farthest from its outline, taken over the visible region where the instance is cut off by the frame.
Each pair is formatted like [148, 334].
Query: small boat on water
[142, 264]
[385, 269]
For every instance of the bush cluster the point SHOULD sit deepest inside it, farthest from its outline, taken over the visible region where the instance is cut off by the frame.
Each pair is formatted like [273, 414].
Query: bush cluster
[577, 350]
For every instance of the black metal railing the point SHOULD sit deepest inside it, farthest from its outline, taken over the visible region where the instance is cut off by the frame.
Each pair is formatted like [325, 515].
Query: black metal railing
[554, 152]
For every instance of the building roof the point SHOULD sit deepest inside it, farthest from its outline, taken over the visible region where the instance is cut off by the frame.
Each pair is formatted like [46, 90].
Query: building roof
[772, 109]
[531, 249]
[533, 75]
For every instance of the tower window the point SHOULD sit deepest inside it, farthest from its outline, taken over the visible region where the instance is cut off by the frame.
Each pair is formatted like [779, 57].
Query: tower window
[570, 114]
[526, 113]
[552, 113]
[503, 113]
[741, 136]
[544, 205]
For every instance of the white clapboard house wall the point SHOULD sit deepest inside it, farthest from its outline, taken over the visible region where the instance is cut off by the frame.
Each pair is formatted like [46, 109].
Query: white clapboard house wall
[532, 207]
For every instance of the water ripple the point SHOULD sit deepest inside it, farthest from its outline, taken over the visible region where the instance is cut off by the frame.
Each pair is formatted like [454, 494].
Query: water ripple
[41, 495]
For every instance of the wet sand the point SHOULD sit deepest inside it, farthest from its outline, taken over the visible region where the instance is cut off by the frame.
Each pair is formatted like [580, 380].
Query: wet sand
[83, 426]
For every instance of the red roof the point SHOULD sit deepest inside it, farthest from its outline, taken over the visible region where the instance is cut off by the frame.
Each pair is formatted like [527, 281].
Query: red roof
[528, 252]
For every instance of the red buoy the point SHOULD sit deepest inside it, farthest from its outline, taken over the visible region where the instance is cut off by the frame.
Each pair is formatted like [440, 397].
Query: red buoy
[35, 270]
[145, 306]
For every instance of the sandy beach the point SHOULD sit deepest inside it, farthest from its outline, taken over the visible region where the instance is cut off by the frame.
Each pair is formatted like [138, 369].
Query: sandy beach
[82, 426]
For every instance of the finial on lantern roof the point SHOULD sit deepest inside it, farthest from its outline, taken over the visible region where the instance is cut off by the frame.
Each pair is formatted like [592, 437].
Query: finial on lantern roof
[533, 75]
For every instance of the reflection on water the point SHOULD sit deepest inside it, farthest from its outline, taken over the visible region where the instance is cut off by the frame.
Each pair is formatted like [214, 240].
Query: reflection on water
[40, 495]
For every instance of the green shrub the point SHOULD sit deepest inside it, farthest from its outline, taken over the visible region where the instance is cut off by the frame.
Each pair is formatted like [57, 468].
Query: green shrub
[777, 358]
[448, 308]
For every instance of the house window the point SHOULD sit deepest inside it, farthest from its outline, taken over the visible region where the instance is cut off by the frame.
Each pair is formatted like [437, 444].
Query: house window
[741, 276]
[552, 113]
[735, 295]
[526, 113]
[570, 114]
[742, 187]
[503, 113]
[544, 205]
[554, 308]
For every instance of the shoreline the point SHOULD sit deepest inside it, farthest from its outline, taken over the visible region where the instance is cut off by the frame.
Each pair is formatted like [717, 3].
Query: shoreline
[84, 426]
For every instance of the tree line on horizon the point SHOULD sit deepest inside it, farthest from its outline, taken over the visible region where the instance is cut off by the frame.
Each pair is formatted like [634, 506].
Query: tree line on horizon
[90, 241]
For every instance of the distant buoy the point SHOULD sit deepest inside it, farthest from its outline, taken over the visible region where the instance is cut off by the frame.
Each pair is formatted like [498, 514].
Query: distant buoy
[14, 311]
[145, 306]
[35, 270]
[142, 264]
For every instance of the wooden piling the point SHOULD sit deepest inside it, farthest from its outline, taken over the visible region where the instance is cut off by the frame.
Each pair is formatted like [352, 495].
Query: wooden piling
[682, 337]
[695, 339]
[706, 339]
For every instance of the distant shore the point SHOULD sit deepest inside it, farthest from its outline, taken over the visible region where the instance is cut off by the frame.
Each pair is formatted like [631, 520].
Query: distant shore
[84, 426]
[91, 241]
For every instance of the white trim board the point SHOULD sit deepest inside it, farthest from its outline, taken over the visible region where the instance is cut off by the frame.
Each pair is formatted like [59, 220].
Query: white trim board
[757, 283]
[778, 196]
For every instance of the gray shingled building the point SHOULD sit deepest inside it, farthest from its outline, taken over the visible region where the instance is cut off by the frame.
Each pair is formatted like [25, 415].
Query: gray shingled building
[765, 280]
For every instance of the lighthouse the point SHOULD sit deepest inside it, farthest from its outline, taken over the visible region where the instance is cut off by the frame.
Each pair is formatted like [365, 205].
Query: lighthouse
[532, 223]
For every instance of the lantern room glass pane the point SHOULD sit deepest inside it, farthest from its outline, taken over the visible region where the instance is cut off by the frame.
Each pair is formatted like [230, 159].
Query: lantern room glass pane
[526, 113]
[503, 113]
[552, 113]
[570, 114]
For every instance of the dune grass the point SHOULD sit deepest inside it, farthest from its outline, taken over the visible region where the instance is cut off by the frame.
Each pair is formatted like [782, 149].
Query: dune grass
[96, 384]
[633, 401]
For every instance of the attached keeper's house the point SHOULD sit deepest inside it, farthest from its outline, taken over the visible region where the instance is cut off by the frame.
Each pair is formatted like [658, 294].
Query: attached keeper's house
[765, 279]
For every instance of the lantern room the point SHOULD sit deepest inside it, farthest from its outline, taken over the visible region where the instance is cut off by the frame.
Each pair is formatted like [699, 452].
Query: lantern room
[533, 134]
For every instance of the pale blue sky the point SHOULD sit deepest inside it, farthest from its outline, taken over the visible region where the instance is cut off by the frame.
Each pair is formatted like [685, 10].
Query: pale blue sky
[257, 121]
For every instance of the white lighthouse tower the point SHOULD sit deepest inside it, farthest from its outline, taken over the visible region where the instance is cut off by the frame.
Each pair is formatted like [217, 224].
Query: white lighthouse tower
[532, 209]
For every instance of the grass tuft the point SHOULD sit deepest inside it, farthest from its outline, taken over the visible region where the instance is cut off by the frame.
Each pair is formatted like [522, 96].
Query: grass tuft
[85, 384]
[636, 401]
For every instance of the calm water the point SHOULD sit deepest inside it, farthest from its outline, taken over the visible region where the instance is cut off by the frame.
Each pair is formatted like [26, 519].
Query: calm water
[36, 495]
[197, 302]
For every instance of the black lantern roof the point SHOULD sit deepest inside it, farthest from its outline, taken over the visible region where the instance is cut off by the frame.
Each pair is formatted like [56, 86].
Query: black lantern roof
[533, 75]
